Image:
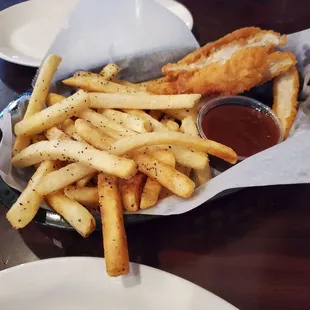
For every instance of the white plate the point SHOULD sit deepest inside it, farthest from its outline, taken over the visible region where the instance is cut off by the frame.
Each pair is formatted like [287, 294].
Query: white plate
[179, 10]
[81, 283]
[29, 28]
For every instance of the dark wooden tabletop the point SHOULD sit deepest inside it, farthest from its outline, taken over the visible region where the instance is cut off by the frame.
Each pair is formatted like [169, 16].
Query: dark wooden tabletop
[250, 248]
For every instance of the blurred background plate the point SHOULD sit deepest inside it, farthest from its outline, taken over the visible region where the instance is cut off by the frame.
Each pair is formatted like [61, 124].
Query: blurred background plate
[29, 28]
[82, 283]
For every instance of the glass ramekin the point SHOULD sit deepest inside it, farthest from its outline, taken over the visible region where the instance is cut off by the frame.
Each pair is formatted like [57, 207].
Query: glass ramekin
[240, 101]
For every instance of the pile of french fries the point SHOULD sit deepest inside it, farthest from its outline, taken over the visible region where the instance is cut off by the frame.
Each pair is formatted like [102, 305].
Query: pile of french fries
[111, 146]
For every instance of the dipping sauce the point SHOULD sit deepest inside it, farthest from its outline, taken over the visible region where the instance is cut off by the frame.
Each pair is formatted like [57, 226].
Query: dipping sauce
[243, 128]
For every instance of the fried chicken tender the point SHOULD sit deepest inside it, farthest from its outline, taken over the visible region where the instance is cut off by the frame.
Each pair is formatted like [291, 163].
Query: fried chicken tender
[246, 69]
[230, 65]
[285, 89]
[223, 49]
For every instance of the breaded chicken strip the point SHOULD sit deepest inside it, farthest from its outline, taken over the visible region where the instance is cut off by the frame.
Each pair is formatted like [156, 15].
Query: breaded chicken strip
[285, 89]
[223, 49]
[246, 69]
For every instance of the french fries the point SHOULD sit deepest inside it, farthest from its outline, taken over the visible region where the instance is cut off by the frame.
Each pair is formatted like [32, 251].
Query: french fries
[27, 205]
[114, 235]
[103, 122]
[189, 127]
[85, 180]
[87, 196]
[132, 122]
[62, 177]
[171, 125]
[167, 176]
[142, 101]
[68, 127]
[131, 192]
[92, 135]
[126, 145]
[152, 188]
[110, 71]
[180, 114]
[75, 151]
[52, 115]
[137, 87]
[285, 89]
[56, 134]
[53, 98]
[38, 96]
[94, 82]
[184, 156]
[72, 211]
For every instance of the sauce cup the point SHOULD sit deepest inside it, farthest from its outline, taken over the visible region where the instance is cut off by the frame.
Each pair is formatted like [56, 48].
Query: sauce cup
[241, 125]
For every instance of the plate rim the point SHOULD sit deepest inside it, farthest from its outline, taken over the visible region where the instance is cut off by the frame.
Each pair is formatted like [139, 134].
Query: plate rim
[35, 63]
[91, 260]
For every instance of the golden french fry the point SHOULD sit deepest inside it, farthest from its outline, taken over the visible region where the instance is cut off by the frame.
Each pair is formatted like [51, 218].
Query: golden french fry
[285, 89]
[92, 135]
[180, 114]
[68, 127]
[84, 181]
[167, 176]
[75, 151]
[40, 90]
[137, 87]
[101, 121]
[114, 235]
[142, 101]
[87, 196]
[150, 193]
[131, 192]
[27, 205]
[73, 212]
[171, 125]
[62, 177]
[38, 138]
[165, 192]
[128, 144]
[110, 71]
[52, 115]
[164, 156]
[94, 82]
[203, 175]
[56, 134]
[132, 122]
[184, 156]
[189, 127]
[38, 96]
[146, 84]
[156, 125]
[152, 188]
[184, 170]
[53, 98]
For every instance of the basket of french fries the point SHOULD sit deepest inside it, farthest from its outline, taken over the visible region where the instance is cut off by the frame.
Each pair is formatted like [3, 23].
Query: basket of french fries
[112, 146]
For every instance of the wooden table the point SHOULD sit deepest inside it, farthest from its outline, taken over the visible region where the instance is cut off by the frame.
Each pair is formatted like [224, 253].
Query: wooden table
[250, 248]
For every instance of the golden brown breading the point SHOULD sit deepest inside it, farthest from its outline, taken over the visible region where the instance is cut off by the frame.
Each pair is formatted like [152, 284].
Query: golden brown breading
[246, 69]
[285, 89]
[223, 49]
[278, 62]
